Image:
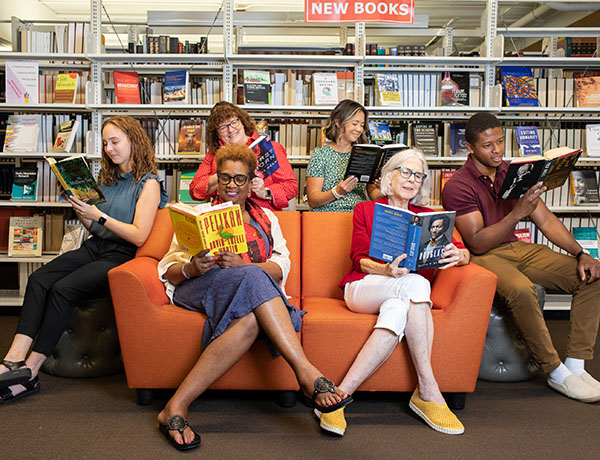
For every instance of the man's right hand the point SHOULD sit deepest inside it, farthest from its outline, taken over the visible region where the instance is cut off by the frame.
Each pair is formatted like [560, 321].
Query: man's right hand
[529, 201]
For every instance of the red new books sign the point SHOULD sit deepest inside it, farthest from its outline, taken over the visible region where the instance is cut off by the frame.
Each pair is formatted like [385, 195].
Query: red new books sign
[399, 11]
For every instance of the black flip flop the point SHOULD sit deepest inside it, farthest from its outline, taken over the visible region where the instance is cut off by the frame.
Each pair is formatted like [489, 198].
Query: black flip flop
[18, 374]
[178, 423]
[324, 385]
[31, 387]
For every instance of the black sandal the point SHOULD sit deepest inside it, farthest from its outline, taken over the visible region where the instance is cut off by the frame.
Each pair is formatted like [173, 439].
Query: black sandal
[178, 423]
[31, 387]
[324, 385]
[17, 373]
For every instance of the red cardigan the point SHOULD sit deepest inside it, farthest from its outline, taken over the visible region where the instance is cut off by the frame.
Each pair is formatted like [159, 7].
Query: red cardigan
[282, 183]
[361, 239]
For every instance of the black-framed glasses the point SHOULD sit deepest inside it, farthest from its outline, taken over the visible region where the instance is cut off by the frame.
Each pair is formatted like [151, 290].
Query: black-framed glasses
[235, 123]
[238, 179]
[407, 172]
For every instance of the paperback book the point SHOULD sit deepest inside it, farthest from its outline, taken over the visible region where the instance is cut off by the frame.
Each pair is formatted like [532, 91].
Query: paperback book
[73, 238]
[218, 228]
[185, 179]
[519, 87]
[66, 136]
[424, 136]
[592, 140]
[22, 133]
[454, 89]
[380, 132]
[588, 91]
[587, 237]
[458, 143]
[528, 140]
[325, 88]
[65, 90]
[190, 136]
[257, 86]
[25, 236]
[584, 187]
[422, 237]
[22, 82]
[127, 87]
[388, 88]
[367, 160]
[176, 84]
[76, 179]
[24, 187]
[553, 169]
[266, 157]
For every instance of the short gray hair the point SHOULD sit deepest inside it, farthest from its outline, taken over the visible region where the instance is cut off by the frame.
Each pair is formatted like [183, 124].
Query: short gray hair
[422, 197]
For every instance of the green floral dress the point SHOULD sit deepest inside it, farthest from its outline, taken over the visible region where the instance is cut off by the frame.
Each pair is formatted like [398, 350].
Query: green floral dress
[331, 166]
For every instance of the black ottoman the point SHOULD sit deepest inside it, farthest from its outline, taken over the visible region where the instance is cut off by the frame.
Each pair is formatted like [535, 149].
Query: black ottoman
[90, 345]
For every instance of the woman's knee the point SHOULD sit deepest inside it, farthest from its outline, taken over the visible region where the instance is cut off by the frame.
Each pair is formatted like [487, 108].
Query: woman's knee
[250, 324]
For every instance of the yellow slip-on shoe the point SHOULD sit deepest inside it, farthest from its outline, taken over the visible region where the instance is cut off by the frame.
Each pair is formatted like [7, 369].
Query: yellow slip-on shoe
[334, 422]
[438, 417]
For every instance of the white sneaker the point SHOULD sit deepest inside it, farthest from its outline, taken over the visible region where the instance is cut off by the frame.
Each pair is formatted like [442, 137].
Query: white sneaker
[591, 381]
[575, 387]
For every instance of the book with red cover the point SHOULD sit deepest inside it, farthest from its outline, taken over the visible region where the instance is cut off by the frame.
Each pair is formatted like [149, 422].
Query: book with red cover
[127, 87]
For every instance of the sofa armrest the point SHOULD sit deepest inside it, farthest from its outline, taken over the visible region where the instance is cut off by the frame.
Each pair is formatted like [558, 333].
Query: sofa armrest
[136, 284]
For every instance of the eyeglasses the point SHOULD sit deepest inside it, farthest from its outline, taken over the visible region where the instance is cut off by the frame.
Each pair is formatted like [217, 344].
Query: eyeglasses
[225, 179]
[232, 124]
[406, 173]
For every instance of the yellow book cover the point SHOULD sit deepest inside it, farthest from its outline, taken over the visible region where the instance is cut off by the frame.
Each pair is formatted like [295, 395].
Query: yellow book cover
[219, 228]
[65, 90]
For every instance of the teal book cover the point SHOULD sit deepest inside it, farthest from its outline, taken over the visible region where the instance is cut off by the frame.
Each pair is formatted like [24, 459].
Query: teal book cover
[24, 187]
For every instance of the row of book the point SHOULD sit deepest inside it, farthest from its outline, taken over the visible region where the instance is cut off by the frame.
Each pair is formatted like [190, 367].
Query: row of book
[579, 46]
[68, 38]
[167, 44]
[371, 49]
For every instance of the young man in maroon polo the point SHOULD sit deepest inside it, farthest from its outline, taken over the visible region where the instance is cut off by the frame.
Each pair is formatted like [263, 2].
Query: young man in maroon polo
[487, 225]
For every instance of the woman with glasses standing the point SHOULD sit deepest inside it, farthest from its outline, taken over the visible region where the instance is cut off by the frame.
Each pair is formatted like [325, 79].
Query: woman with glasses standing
[228, 124]
[401, 299]
[242, 297]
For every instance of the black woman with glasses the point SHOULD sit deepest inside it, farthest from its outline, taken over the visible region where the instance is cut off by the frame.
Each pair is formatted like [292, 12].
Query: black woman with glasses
[242, 297]
[228, 124]
[400, 298]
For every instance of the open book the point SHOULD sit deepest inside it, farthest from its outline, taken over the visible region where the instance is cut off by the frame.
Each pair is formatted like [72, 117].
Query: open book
[366, 160]
[77, 179]
[422, 237]
[218, 228]
[553, 169]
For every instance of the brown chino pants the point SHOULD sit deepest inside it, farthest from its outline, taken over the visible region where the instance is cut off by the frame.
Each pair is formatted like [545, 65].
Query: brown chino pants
[519, 266]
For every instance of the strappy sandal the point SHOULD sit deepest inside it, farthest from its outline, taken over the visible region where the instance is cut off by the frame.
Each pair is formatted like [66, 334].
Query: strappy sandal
[324, 385]
[17, 373]
[31, 387]
[178, 423]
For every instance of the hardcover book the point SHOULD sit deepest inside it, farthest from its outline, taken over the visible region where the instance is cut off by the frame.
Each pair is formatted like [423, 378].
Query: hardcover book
[266, 158]
[24, 187]
[552, 169]
[422, 237]
[587, 237]
[528, 140]
[218, 228]
[65, 90]
[190, 136]
[66, 136]
[76, 179]
[458, 143]
[584, 186]
[257, 86]
[588, 91]
[388, 88]
[127, 87]
[519, 87]
[592, 140]
[454, 89]
[325, 88]
[424, 137]
[25, 236]
[176, 84]
[22, 82]
[367, 160]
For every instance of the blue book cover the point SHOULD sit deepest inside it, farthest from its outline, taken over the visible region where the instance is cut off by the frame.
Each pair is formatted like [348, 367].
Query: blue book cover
[519, 87]
[267, 159]
[24, 187]
[422, 237]
[458, 143]
[176, 83]
[528, 140]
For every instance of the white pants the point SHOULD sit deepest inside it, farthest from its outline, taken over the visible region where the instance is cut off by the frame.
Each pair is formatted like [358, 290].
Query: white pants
[388, 297]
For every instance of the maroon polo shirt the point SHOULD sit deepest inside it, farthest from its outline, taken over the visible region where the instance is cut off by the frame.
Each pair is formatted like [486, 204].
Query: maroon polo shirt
[468, 190]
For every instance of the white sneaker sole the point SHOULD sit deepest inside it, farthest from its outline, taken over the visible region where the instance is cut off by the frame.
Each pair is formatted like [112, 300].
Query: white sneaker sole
[326, 427]
[441, 429]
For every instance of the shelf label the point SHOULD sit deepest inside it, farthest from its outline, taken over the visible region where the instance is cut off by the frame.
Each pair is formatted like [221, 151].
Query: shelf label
[398, 11]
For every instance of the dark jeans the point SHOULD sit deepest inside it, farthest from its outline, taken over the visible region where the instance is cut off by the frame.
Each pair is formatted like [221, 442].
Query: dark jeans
[55, 288]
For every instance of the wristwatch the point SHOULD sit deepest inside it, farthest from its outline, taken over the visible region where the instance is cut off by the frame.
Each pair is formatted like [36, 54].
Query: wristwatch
[580, 253]
[102, 219]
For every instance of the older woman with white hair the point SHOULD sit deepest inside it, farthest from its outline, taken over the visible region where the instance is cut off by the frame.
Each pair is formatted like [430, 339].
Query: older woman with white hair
[400, 298]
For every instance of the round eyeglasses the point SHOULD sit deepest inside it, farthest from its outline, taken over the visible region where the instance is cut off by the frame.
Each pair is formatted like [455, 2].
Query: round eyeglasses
[235, 123]
[238, 179]
[407, 172]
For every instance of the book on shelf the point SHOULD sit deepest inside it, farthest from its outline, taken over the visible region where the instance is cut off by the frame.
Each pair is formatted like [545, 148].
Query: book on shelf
[366, 160]
[54, 225]
[424, 138]
[588, 91]
[22, 133]
[65, 90]
[76, 179]
[592, 140]
[454, 89]
[422, 237]
[185, 179]
[388, 88]
[587, 237]
[127, 87]
[218, 228]
[528, 140]
[267, 162]
[22, 82]
[446, 176]
[325, 88]
[65, 136]
[25, 236]
[519, 87]
[24, 186]
[584, 187]
[458, 143]
[553, 169]
[380, 132]
[257, 87]
[523, 234]
[190, 136]
[176, 87]
[73, 238]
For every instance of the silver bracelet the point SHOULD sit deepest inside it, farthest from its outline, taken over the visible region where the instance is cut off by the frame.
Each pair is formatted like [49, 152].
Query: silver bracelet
[187, 277]
[336, 195]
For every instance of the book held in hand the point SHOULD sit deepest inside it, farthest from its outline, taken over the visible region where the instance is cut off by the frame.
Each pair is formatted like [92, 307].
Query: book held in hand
[366, 160]
[218, 228]
[25, 236]
[584, 185]
[267, 160]
[553, 169]
[76, 178]
[24, 187]
[422, 237]
[66, 136]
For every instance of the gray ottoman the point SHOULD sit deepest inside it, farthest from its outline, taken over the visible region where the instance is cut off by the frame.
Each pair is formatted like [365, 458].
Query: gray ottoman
[90, 345]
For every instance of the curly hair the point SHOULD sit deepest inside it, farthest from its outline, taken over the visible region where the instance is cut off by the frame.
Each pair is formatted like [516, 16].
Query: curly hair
[235, 152]
[342, 113]
[142, 152]
[223, 111]
[479, 123]
[422, 197]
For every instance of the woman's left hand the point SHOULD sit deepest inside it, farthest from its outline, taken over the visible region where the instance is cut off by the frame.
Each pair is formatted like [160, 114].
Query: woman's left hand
[84, 210]
[451, 256]
[229, 259]
[257, 186]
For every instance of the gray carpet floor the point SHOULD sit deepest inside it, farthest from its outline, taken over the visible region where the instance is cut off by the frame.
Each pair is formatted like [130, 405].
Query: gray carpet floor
[99, 419]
